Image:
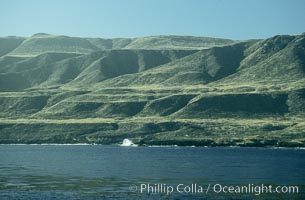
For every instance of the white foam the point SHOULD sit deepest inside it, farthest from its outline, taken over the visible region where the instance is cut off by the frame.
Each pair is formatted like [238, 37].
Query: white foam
[162, 146]
[49, 144]
[128, 143]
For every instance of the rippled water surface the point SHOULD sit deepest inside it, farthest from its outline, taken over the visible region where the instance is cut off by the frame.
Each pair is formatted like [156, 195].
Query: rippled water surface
[107, 172]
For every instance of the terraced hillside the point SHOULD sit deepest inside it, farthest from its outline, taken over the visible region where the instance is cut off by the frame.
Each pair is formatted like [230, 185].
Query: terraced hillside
[161, 90]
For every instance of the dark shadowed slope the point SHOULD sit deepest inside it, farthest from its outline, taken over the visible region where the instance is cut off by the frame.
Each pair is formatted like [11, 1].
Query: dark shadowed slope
[198, 68]
[279, 59]
[77, 70]
[8, 44]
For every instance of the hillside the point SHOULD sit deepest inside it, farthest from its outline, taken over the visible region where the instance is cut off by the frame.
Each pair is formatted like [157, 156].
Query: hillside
[8, 44]
[43, 43]
[161, 90]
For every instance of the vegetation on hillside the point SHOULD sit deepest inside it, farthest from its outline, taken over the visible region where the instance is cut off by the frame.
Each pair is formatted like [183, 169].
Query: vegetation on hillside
[160, 90]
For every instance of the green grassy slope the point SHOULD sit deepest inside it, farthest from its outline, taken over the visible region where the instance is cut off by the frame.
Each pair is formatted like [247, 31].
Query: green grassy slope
[43, 43]
[176, 42]
[8, 44]
[198, 68]
[275, 60]
[78, 70]
[9, 60]
[24, 73]
[250, 93]
[160, 42]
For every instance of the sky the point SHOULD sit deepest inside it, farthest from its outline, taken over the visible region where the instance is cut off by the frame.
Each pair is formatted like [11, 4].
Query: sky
[233, 19]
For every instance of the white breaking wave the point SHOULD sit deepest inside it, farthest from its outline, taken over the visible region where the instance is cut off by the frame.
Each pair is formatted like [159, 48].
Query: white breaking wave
[128, 143]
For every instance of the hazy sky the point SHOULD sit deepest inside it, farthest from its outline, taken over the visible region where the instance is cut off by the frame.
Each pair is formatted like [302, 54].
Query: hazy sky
[235, 19]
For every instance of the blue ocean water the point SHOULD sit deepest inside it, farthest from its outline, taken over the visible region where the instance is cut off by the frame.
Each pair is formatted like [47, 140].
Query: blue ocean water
[113, 172]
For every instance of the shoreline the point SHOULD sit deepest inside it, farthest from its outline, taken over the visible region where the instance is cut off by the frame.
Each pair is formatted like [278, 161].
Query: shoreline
[151, 146]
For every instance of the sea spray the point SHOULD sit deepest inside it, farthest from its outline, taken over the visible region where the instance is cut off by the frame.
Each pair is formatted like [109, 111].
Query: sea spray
[128, 143]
